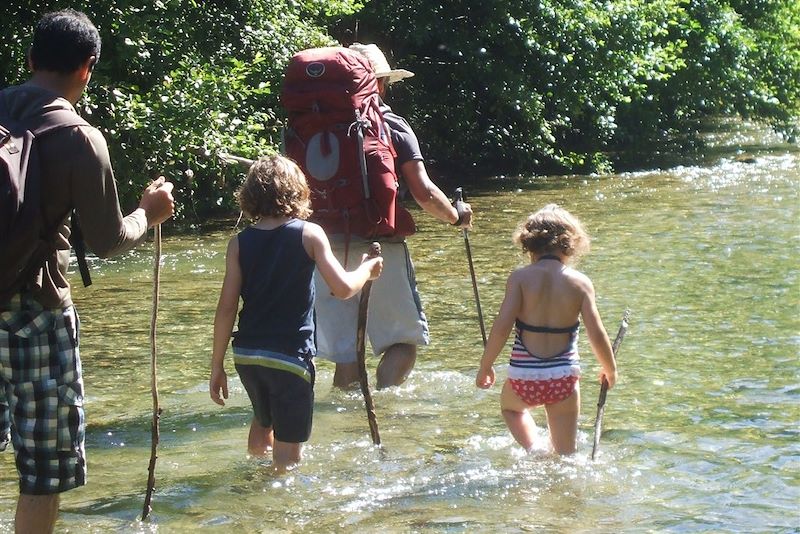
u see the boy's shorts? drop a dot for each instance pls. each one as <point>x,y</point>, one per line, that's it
<point>395,311</point>
<point>41,396</point>
<point>281,399</point>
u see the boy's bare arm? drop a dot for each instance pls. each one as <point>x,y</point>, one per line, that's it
<point>224,318</point>
<point>343,284</point>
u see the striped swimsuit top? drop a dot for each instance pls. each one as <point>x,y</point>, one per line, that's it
<point>526,366</point>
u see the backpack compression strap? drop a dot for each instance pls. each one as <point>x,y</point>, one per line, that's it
<point>361,124</point>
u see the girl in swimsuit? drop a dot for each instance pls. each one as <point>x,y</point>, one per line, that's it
<point>543,303</point>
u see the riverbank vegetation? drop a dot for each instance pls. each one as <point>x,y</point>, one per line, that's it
<point>501,87</point>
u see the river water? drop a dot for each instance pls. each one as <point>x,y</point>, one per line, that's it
<point>701,432</point>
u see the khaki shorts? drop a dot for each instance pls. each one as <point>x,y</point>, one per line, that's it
<point>395,312</point>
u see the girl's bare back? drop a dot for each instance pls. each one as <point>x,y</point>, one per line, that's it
<point>551,296</point>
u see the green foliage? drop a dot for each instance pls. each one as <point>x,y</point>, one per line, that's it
<point>502,86</point>
<point>560,85</point>
<point>179,81</point>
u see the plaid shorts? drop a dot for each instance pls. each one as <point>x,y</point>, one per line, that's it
<point>41,395</point>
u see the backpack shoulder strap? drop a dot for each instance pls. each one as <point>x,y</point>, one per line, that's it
<point>48,122</point>
<point>55,119</point>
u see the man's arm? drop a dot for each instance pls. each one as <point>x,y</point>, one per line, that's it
<point>429,197</point>
<point>95,198</point>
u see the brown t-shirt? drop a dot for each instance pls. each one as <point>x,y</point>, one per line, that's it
<point>76,174</point>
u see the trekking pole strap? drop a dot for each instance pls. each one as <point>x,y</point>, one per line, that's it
<point>76,238</point>
<point>360,125</point>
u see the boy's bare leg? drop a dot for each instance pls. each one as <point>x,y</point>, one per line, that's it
<point>562,420</point>
<point>260,439</point>
<point>36,514</point>
<point>286,455</point>
<point>517,417</point>
<point>396,364</point>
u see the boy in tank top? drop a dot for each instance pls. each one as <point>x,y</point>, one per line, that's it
<point>270,267</point>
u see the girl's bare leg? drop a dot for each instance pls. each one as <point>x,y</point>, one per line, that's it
<point>517,417</point>
<point>562,420</point>
<point>260,439</point>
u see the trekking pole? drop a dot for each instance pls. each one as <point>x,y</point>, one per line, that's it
<point>361,344</point>
<point>151,477</point>
<point>460,197</point>
<point>601,402</point>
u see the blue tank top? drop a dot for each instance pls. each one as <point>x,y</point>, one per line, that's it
<point>277,291</point>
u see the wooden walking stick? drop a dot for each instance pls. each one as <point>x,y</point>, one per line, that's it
<point>459,194</point>
<point>151,478</point>
<point>601,402</point>
<point>363,306</point>
<point>238,160</point>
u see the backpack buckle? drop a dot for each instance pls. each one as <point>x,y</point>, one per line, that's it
<point>12,148</point>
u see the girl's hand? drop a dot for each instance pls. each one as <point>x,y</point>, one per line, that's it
<point>218,384</point>
<point>610,377</point>
<point>485,378</point>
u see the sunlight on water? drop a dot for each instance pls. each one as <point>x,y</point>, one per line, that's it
<point>701,433</point>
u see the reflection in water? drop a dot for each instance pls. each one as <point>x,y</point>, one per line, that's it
<point>700,434</point>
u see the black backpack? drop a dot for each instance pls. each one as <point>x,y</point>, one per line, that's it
<point>24,242</point>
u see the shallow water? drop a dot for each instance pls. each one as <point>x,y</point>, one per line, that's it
<point>701,432</point>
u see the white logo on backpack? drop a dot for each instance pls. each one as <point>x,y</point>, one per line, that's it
<point>322,165</point>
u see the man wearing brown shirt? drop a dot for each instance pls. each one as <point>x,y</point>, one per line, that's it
<point>41,387</point>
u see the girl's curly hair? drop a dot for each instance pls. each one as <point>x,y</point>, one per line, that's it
<point>552,229</point>
<point>275,187</point>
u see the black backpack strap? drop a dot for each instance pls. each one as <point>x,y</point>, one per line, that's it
<point>76,240</point>
<point>54,119</point>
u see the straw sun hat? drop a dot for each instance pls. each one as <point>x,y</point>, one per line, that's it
<point>379,63</point>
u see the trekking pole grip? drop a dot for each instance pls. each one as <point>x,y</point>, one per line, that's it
<point>458,204</point>
<point>374,250</point>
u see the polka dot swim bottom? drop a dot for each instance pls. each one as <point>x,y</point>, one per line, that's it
<point>538,392</point>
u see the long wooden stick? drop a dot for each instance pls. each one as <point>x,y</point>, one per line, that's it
<point>460,198</point>
<point>361,344</point>
<point>601,402</point>
<point>155,434</point>
<point>238,160</point>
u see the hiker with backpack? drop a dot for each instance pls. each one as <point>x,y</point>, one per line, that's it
<point>396,323</point>
<point>52,163</point>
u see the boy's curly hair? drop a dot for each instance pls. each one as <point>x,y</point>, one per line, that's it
<point>275,187</point>
<point>552,229</point>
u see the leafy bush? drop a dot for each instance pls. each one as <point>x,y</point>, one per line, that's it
<point>561,85</point>
<point>180,81</point>
<point>502,86</point>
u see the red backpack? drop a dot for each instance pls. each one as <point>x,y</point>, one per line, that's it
<point>337,135</point>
